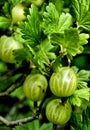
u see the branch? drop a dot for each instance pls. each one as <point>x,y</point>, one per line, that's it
<point>17,83</point>
<point>17,122</point>
<point>86,52</point>
<point>23,69</point>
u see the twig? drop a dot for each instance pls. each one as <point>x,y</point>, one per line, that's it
<point>17,83</point>
<point>87,52</point>
<point>13,128</point>
<point>18,122</point>
<point>54,127</point>
<point>24,69</point>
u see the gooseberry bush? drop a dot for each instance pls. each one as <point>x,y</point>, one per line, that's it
<point>44,65</point>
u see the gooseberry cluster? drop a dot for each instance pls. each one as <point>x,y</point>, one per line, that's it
<point>62,84</point>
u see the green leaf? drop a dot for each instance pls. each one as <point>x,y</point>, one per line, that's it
<point>31,30</point>
<point>44,54</point>
<point>83,38</point>
<point>83,93</point>
<point>18,93</point>
<point>50,20</point>
<point>45,126</point>
<point>82,120</point>
<point>75,69</point>
<point>53,22</point>
<point>58,4</point>
<point>68,41</point>
<point>76,118</point>
<point>21,54</point>
<point>71,42</point>
<point>4,23</point>
<point>82,84</point>
<point>21,127</point>
<point>79,96</point>
<point>82,13</point>
<point>65,21</point>
<point>83,77</point>
<point>35,125</point>
<point>75,100</point>
<point>85,23</point>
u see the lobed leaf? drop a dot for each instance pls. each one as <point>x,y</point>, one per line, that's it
<point>58,4</point>
<point>55,22</point>
<point>81,9</point>
<point>83,77</point>
<point>83,93</point>
<point>44,54</point>
<point>65,21</point>
<point>35,125</point>
<point>4,23</point>
<point>48,126</point>
<point>30,29</point>
<point>71,41</point>
<point>50,20</point>
<point>68,41</point>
